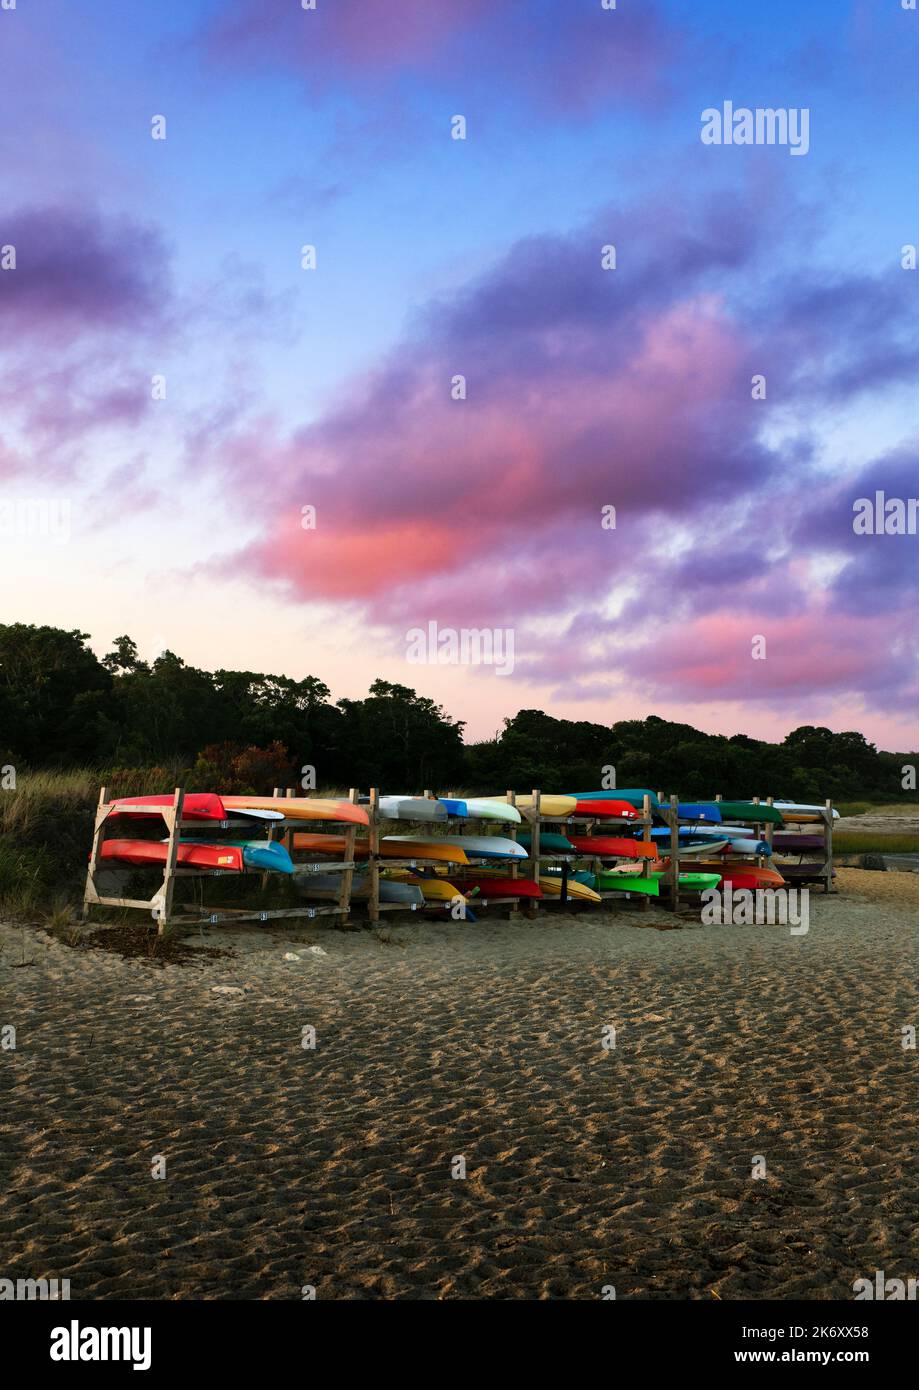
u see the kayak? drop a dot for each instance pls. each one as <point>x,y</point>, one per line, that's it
<point>610,847</point>
<point>496,887</point>
<point>745,876</point>
<point>549,842</point>
<point>579,892</point>
<point>797,844</point>
<point>328,886</point>
<point>633,795</point>
<point>196,806</point>
<point>391,847</point>
<point>412,808</point>
<point>696,839</point>
<point>801,813</point>
<point>484,808</point>
<point>757,813</point>
<point>553,807</point>
<point>613,810</point>
<point>234,858</point>
<point>301,807</point>
<point>698,810</point>
<point>484,846</point>
<point>433,890</point>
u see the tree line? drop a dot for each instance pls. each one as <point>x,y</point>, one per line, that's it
<point>60,706</point>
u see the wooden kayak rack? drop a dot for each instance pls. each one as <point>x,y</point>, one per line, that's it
<point>167,913</point>
<point>161,904</point>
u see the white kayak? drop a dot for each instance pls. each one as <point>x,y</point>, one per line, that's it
<point>802,808</point>
<point>485,808</point>
<point>484,846</point>
<point>411,808</point>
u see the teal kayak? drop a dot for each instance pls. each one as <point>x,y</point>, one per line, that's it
<point>549,842</point>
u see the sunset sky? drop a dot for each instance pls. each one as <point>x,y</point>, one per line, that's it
<point>178,520</point>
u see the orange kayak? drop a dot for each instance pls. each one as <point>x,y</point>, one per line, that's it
<point>301,807</point>
<point>434,850</point>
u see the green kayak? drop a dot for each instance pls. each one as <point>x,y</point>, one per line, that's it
<point>696,883</point>
<point>749,812</point>
<point>549,842</point>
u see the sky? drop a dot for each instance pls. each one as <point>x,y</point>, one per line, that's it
<point>292,462</point>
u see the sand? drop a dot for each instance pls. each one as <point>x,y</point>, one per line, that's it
<point>288,1167</point>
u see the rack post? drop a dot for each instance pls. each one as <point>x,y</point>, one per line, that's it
<point>373,854</point>
<point>828,846</point>
<point>173,819</point>
<point>674,817</point>
<point>94,852</point>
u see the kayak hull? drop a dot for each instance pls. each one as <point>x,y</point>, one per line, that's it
<point>302,807</point>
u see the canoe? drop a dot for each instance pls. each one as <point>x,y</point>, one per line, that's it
<point>633,795</point>
<point>496,887</point>
<point>391,847</point>
<point>797,844</point>
<point>549,842</point>
<point>757,813</point>
<point>483,846</point>
<point>414,808</point>
<point>550,806</point>
<point>328,887</point>
<point>196,806</point>
<point>301,807</point>
<point>192,854</point>
<point>577,892</point>
<point>611,847</point>
<point>613,810</point>
<point>486,808</point>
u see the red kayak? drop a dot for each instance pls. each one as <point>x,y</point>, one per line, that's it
<point>497,887</point>
<point>620,810</point>
<point>196,806</point>
<point>196,856</point>
<point>743,876</point>
<point>609,847</point>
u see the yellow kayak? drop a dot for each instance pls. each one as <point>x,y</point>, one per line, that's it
<point>435,890</point>
<point>552,888</point>
<point>556,806</point>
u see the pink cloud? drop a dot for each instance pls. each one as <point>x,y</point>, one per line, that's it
<point>570,56</point>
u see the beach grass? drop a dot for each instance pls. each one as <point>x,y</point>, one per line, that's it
<point>874,842</point>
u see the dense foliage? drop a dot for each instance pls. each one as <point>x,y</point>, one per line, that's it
<point>60,706</point>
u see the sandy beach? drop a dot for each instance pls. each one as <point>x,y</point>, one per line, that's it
<point>331,1167</point>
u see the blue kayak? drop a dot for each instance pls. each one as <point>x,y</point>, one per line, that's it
<point>699,810</point>
<point>454,807</point>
